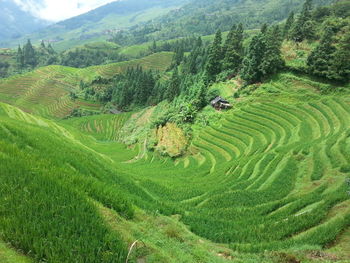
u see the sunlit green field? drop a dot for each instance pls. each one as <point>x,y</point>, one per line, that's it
<point>272,174</point>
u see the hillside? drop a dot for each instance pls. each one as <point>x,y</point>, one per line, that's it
<point>231,147</point>
<point>278,164</point>
<point>100,23</point>
<point>205,17</point>
<point>45,91</point>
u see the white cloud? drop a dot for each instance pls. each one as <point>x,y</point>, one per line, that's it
<point>56,10</point>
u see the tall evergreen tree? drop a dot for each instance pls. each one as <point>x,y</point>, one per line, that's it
<point>173,89</point>
<point>30,58</point>
<point>263,57</point>
<point>301,28</point>
<point>272,59</point>
<point>264,28</point>
<point>238,40</point>
<point>320,59</point>
<point>154,47</point>
<point>288,25</point>
<point>20,58</point>
<point>178,57</point>
<point>199,42</point>
<point>340,64</point>
<point>234,50</point>
<point>215,58</point>
<point>192,63</point>
<point>251,64</point>
<point>229,39</point>
<point>50,49</point>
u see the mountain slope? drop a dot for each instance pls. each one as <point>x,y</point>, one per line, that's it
<point>14,22</point>
<point>206,16</point>
<point>270,175</point>
<point>98,24</point>
<point>45,91</point>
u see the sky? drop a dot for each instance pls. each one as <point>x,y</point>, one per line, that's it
<point>57,10</point>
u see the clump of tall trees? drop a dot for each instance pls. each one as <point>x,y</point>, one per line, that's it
<point>29,57</point>
<point>330,25</point>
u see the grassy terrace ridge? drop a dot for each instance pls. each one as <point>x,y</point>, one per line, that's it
<point>45,91</point>
<point>270,175</point>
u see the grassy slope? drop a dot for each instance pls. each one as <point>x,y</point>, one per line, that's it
<point>45,91</point>
<point>269,175</point>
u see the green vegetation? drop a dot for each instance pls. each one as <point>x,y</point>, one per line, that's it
<point>171,179</point>
<point>258,165</point>
<point>206,17</point>
<point>46,91</point>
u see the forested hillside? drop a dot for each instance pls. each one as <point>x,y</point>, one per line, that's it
<point>205,17</point>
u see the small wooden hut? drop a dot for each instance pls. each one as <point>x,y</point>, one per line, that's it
<point>220,104</point>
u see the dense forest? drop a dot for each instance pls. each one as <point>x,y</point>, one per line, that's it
<point>205,17</point>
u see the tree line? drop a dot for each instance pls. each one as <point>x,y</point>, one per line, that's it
<point>29,57</point>
<point>186,83</point>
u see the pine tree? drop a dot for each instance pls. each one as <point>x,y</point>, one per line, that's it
<point>192,65</point>
<point>320,59</point>
<point>154,47</point>
<point>251,64</point>
<point>263,56</point>
<point>340,64</point>
<point>20,58</point>
<point>234,50</point>
<point>30,58</point>
<point>43,44</point>
<point>232,60</point>
<point>264,28</point>
<point>50,49</point>
<point>272,59</point>
<point>199,42</point>
<point>178,57</point>
<point>238,40</point>
<point>288,25</point>
<point>229,39</point>
<point>215,58</point>
<point>173,89</point>
<point>301,29</point>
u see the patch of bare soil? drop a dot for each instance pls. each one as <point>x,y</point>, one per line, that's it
<point>225,255</point>
<point>320,255</point>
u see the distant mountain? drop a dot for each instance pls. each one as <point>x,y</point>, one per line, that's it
<point>204,17</point>
<point>118,8</point>
<point>98,24</point>
<point>15,22</point>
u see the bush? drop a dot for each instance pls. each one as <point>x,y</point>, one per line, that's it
<point>345,168</point>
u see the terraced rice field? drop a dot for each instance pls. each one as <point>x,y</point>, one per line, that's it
<point>270,176</point>
<point>101,127</point>
<point>45,91</point>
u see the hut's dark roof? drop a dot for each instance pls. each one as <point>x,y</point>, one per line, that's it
<point>115,111</point>
<point>219,99</point>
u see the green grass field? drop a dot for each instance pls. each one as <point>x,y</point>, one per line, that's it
<point>268,181</point>
<point>45,91</point>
